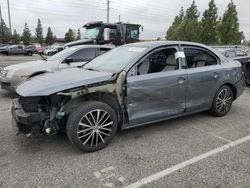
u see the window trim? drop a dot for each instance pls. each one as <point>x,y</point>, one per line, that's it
<point>151,52</point>
<point>202,49</point>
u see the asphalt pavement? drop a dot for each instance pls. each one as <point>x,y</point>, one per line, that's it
<point>193,151</point>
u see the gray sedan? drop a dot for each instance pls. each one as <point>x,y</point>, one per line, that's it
<point>132,85</point>
<point>75,56</point>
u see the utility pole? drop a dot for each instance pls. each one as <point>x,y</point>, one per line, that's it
<point>0,14</point>
<point>119,18</point>
<point>9,15</point>
<point>108,10</point>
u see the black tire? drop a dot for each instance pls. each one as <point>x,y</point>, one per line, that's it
<point>83,136</point>
<point>222,102</point>
<point>29,53</point>
<point>5,53</point>
<point>49,54</point>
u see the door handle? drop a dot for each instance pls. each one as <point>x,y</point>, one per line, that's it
<point>216,75</point>
<point>181,80</point>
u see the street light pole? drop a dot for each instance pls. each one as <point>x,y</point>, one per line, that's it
<point>9,15</point>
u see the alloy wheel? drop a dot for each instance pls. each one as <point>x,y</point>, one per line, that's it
<point>224,101</point>
<point>94,128</point>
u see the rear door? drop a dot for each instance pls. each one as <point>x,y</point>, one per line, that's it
<point>156,87</point>
<point>204,75</point>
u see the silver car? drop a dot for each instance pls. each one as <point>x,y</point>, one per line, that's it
<point>132,85</point>
<point>75,56</point>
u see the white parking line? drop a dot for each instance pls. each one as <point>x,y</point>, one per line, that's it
<point>212,134</point>
<point>181,165</point>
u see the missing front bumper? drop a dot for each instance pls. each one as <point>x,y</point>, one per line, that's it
<point>26,122</point>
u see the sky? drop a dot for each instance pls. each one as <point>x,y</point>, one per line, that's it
<point>155,15</point>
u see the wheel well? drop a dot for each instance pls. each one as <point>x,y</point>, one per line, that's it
<point>37,73</point>
<point>233,89</point>
<point>104,97</point>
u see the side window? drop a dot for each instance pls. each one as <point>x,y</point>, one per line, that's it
<point>103,50</point>
<point>83,55</point>
<point>158,61</point>
<point>240,53</point>
<point>20,47</point>
<point>230,54</point>
<point>132,32</point>
<point>198,58</point>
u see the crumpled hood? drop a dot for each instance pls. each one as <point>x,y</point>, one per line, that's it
<point>53,82</point>
<point>25,65</point>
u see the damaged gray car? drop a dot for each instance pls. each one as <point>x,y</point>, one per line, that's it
<point>132,85</point>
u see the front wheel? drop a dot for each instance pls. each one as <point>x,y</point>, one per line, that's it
<point>222,102</point>
<point>92,126</point>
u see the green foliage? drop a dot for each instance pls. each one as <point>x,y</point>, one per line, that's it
<point>210,29</point>
<point>229,28</point>
<point>69,36</point>
<point>174,31</point>
<point>15,37</point>
<point>191,28</point>
<point>26,37</point>
<point>209,23</point>
<point>39,32</point>
<point>50,39</point>
<point>5,35</point>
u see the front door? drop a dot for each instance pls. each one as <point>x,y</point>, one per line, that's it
<point>156,87</point>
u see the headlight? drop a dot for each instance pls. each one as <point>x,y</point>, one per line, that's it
<point>3,73</point>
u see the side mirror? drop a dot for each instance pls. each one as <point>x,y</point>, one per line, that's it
<point>68,60</point>
<point>106,34</point>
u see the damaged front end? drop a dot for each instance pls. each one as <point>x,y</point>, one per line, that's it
<point>38,115</point>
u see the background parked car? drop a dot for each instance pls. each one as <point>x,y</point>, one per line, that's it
<point>40,50</point>
<point>240,55</point>
<point>76,56</point>
<point>52,51</point>
<point>16,50</point>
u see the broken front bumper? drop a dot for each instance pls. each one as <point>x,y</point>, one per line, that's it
<point>26,122</point>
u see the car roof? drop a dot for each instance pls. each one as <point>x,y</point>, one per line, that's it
<point>153,44</point>
<point>93,46</point>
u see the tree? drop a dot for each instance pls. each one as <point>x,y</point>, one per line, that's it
<point>173,32</point>
<point>15,37</point>
<point>50,39</point>
<point>39,32</point>
<point>5,34</point>
<point>191,28</point>
<point>69,36</point>
<point>229,28</point>
<point>26,37</point>
<point>209,23</point>
<point>78,37</point>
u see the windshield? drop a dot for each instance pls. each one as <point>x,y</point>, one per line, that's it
<point>62,55</point>
<point>115,60</point>
<point>91,33</point>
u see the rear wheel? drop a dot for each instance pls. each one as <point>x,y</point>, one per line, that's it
<point>29,53</point>
<point>92,126</point>
<point>222,101</point>
<point>5,53</point>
